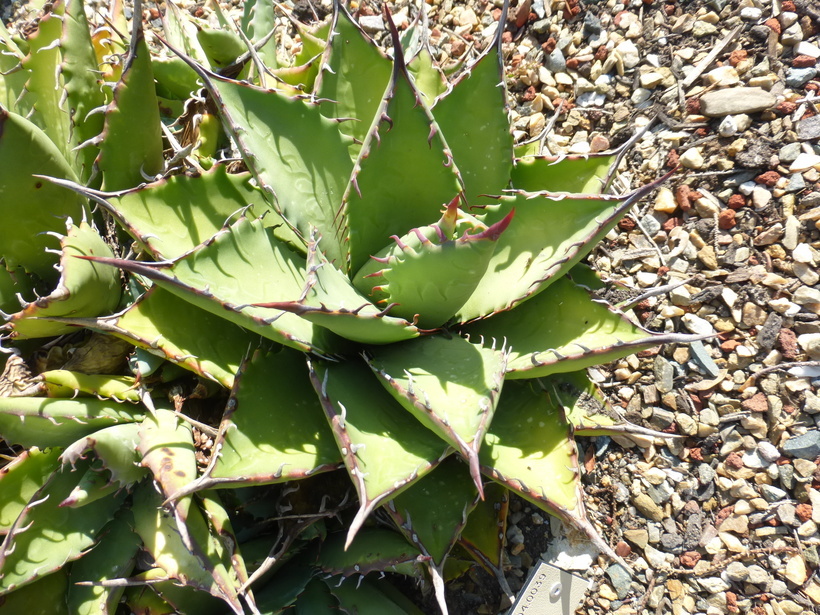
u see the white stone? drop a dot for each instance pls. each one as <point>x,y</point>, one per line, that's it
<point>723,76</point>
<point>804,162</point>
<point>692,159</point>
<point>698,325</point>
<point>805,48</point>
<point>728,127</point>
<point>803,254</point>
<point>751,13</point>
<point>760,197</point>
<point>629,53</point>
<point>810,343</point>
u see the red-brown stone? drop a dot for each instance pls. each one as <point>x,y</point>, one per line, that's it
<point>756,403</point>
<point>733,461</point>
<point>774,25</point>
<point>736,201</point>
<point>689,559</point>
<point>726,219</point>
<point>787,343</point>
<point>804,62</point>
<point>769,178</point>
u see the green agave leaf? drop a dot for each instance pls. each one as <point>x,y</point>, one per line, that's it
<point>173,598</point>
<point>528,449</point>
<point>46,596</point>
<point>483,536</point>
<point>222,529</point>
<point>240,266</point>
<point>65,383</point>
<point>354,78</point>
<point>432,513</point>
<point>173,216</point>
<point>25,150</point>
<point>427,77</point>
<point>297,156</point>
<point>384,448</point>
<point>92,486</point>
<point>479,98</point>
<point>113,557</point>
<point>83,89</point>
<point>204,343</point>
<point>331,301</point>
<point>371,598</point>
<point>44,87</point>
<point>12,79</point>
<point>45,536</point>
<point>316,600</point>
<point>86,288</point>
<point>583,404</point>
<point>426,276</point>
<point>273,430</point>
<point>564,330</point>
<point>174,79</point>
<point>546,237</point>
<point>220,47</point>
<point>34,421</point>
<point>20,480</point>
<point>382,199</point>
<point>131,143</point>
<point>450,385</point>
<point>373,550</point>
<point>309,57</point>
<point>115,449</point>
<point>207,569</point>
<point>573,174</point>
<point>143,599</point>
<point>13,283</point>
<point>259,20</point>
<point>183,32</point>
<point>587,409</point>
<point>167,448</point>
<point>286,586</point>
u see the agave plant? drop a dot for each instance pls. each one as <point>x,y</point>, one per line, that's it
<point>385,287</point>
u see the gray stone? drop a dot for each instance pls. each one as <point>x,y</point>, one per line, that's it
<point>620,578</point>
<point>772,493</point>
<point>714,585</point>
<point>706,473</point>
<point>809,128</point>
<point>737,572</point>
<point>371,23</point>
<point>796,77</point>
<point>806,446</point>
<point>692,532</point>
<point>786,475</point>
<point>672,543</point>
<point>786,514</point>
<point>556,62</point>
<point>768,451</point>
<point>702,359</point>
<point>732,101</point>
<point>768,333</point>
<point>758,575</point>
<point>779,588</point>
<point>789,153</point>
<point>796,183</point>
<point>660,493</point>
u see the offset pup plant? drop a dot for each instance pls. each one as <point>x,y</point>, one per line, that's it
<point>385,288</point>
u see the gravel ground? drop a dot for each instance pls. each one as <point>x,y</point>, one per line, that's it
<point>722,517</point>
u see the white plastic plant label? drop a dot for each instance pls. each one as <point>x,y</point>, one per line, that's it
<point>550,591</point>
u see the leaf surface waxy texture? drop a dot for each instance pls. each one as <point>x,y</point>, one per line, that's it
<point>561,330</point>
<point>384,448</point>
<point>278,431</point>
